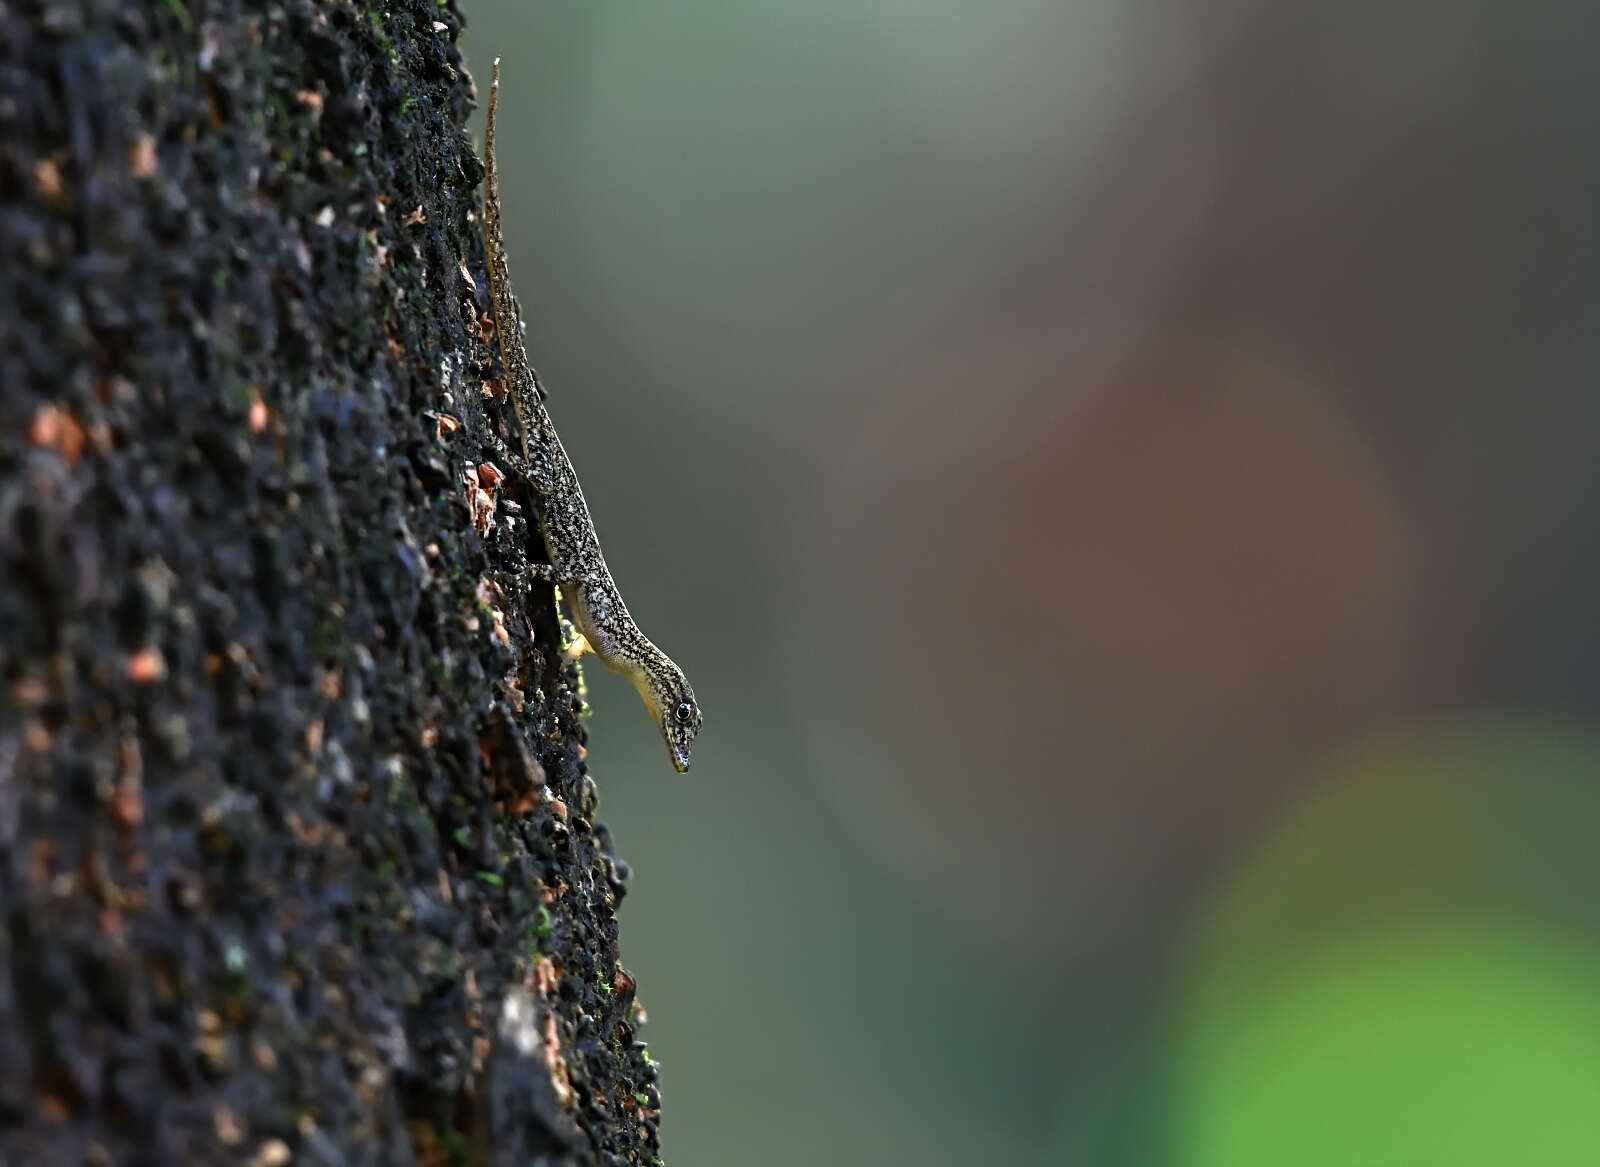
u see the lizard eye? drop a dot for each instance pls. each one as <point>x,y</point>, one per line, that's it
<point>684,713</point>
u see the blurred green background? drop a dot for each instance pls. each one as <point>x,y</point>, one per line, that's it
<point>1122,479</point>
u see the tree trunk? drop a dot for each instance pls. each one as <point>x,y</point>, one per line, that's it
<point>297,852</point>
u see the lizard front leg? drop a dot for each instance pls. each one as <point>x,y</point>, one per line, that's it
<point>549,573</point>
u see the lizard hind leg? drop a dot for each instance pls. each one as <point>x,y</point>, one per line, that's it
<point>534,471</point>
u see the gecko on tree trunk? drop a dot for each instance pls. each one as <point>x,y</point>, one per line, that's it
<point>577,564</point>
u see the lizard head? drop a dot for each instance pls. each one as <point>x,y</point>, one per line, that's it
<point>672,703</point>
<point>679,724</point>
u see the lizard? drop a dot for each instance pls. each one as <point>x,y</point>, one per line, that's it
<point>577,566</point>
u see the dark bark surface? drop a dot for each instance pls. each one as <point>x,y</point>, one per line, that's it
<point>298,860</point>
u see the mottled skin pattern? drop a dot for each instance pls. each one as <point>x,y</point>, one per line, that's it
<point>576,562</point>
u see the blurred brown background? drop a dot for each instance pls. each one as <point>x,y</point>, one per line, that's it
<point>1122,479</point>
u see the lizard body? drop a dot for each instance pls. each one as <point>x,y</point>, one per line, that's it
<point>577,564</point>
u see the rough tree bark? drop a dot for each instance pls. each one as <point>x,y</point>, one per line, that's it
<point>298,860</point>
